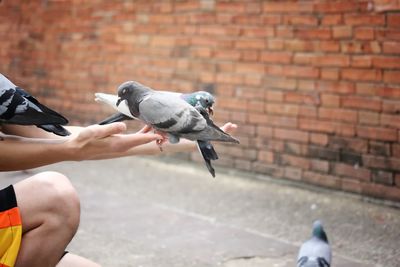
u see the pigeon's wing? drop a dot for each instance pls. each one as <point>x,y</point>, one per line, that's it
<point>111,100</point>
<point>34,102</point>
<point>15,109</point>
<point>210,133</point>
<point>315,250</point>
<point>170,114</point>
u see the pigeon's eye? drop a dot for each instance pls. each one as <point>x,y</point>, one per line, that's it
<point>206,100</point>
<point>124,91</point>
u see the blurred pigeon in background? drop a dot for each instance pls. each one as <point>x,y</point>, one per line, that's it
<point>201,100</point>
<point>316,251</point>
<point>19,107</point>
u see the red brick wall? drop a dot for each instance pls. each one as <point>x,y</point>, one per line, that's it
<point>313,85</point>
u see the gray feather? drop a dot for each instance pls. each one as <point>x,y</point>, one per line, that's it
<point>315,251</point>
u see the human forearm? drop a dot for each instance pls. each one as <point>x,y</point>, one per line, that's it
<point>18,153</point>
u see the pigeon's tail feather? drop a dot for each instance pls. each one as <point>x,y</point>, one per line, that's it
<point>207,150</point>
<point>115,118</point>
<point>214,133</point>
<point>55,128</point>
<point>208,153</point>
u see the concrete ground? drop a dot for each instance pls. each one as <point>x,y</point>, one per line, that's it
<point>153,212</point>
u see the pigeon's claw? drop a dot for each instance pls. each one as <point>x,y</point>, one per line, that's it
<point>161,141</point>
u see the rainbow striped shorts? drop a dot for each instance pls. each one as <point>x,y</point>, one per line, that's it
<point>10,227</point>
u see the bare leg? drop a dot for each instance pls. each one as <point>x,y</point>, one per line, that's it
<point>50,212</point>
<point>71,260</point>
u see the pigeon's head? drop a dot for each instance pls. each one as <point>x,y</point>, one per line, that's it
<point>131,91</point>
<point>204,99</point>
<point>318,231</point>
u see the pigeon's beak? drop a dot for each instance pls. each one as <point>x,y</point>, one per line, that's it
<point>118,101</point>
<point>210,111</point>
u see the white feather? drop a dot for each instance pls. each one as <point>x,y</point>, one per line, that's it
<point>111,100</point>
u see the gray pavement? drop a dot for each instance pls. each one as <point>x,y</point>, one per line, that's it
<point>154,212</point>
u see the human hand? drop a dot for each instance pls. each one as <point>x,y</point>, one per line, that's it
<point>106,141</point>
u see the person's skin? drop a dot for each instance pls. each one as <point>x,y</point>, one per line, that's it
<point>48,203</point>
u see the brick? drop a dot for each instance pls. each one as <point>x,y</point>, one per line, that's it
<point>351,185</point>
<point>334,19</point>
<point>266,156</point>
<point>391,106</point>
<point>227,54</point>
<point>287,7</point>
<point>319,165</point>
<point>289,134</point>
<point>329,46</point>
<point>389,92</point>
<point>364,33</point>
<point>301,72</point>
<point>379,149</point>
<point>386,62</point>
<point>275,44</point>
<point>392,121</point>
<point>296,161</point>
<point>276,57</point>
<point>330,74</point>
<point>305,20</point>
<point>332,61</point>
<point>269,169</point>
<point>250,68</point>
<point>307,111</point>
<point>257,32</point>
<point>376,133</point>
<point>348,144</point>
<point>298,45</point>
<point>397,179</point>
<point>338,114</point>
<point>313,34</point>
<point>393,19</point>
<point>250,44</point>
<point>368,118</point>
<point>286,109</point>
<point>264,131</point>
<point>301,98</point>
<point>321,179</point>
<point>292,173</point>
<point>361,61</point>
<point>295,148</point>
<point>365,20</point>
<point>330,100</point>
<point>342,32</point>
<point>319,139</point>
<point>355,172</point>
<point>274,96</point>
<point>281,121</point>
<point>362,75</point>
<point>316,125</point>
<point>284,32</point>
<point>323,153</point>
<point>391,47</point>
<point>336,87</point>
<point>383,177</point>
<point>339,6</point>
<point>362,103</point>
<point>391,77</point>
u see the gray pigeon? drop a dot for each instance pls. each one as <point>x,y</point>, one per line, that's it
<point>201,100</point>
<point>19,107</point>
<point>316,251</point>
<point>170,114</point>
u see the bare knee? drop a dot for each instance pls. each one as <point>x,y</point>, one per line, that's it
<point>63,200</point>
<point>52,195</point>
